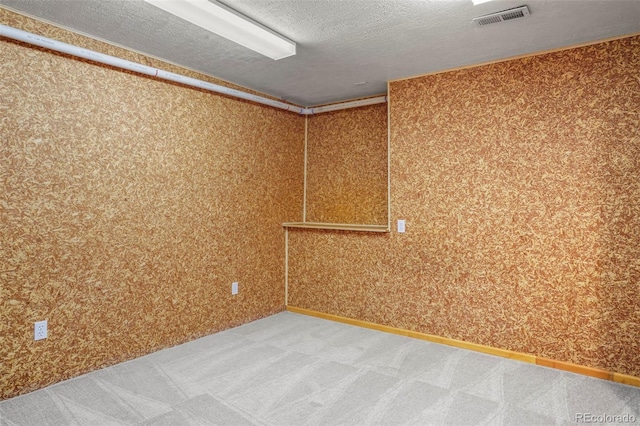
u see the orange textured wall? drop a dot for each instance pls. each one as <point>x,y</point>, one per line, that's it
<point>128,206</point>
<point>520,185</point>
<point>347,166</point>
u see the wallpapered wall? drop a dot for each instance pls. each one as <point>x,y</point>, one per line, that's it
<point>347,166</point>
<point>128,206</point>
<point>520,185</point>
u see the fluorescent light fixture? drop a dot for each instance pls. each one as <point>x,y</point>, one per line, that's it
<point>229,24</point>
<point>477,2</point>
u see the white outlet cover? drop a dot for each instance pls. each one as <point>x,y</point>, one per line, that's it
<point>40,330</point>
<point>234,288</point>
<point>401,225</point>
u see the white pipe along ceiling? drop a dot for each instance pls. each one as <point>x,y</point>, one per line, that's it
<point>47,43</point>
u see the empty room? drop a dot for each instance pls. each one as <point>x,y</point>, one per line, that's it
<point>319,212</point>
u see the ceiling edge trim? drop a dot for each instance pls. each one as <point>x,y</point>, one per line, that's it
<point>91,55</point>
<point>514,58</point>
<point>141,53</point>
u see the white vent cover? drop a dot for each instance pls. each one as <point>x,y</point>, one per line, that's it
<point>505,15</point>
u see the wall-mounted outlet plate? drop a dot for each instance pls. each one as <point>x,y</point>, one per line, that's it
<point>40,330</point>
<point>234,288</point>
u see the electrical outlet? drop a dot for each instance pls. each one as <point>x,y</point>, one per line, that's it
<point>234,288</point>
<point>40,330</point>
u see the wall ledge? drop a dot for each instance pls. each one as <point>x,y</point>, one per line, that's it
<point>337,226</point>
<point>518,356</point>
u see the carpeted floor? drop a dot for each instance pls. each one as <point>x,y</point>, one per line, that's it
<point>291,369</point>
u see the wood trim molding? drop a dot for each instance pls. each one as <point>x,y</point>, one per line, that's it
<point>518,356</point>
<point>337,226</point>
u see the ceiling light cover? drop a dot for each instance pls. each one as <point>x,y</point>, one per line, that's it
<point>229,24</point>
<point>477,2</point>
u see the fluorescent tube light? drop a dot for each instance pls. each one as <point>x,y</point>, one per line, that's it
<point>229,24</point>
<point>477,2</point>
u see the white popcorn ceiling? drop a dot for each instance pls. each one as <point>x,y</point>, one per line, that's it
<point>342,43</point>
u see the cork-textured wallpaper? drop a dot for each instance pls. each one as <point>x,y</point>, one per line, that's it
<point>520,186</point>
<point>128,206</point>
<point>347,166</point>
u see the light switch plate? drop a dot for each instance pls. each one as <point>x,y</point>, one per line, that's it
<point>234,288</point>
<point>401,225</point>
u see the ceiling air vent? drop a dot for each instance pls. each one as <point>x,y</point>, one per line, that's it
<point>505,15</point>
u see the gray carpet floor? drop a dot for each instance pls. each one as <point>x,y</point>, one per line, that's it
<point>291,369</point>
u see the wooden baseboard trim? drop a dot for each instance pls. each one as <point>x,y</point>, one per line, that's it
<point>532,359</point>
<point>626,379</point>
<point>575,368</point>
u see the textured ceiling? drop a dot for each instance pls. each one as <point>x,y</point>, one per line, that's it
<point>341,43</point>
